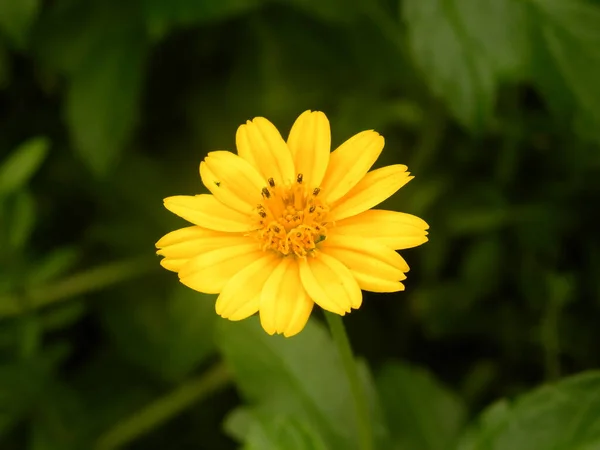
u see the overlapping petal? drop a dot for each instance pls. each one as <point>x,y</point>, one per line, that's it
<point>330,283</point>
<point>349,163</point>
<point>375,187</point>
<point>395,229</point>
<point>181,245</point>
<point>259,143</point>
<point>240,297</point>
<point>232,180</point>
<point>284,304</point>
<point>210,271</point>
<point>208,212</point>
<point>309,142</point>
<point>375,267</point>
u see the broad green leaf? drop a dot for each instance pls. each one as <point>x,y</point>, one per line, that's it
<point>300,377</point>
<point>463,47</point>
<point>260,432</point>
<point>566,63</point>
<point>16,18</point>
<point>422,414</point>
<point>562,416</point>
<point>21,165</point>
<point>101,47</point>
<point>168,335</point>
<point>102,100</point>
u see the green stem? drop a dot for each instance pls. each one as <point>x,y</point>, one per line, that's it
<point>340,337</point>
<point>164,408</point>
<point>80,283</point>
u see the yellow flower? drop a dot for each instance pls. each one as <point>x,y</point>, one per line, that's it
<point>289,225</point>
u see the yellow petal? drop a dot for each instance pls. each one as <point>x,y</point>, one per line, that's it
<point>375,266</point>
<point>302,308</point>
<point>259,143</point>
<point>374,188</point>
<point>208,212</point>
<point>349,163</point>
<point>174,265</point>
<point>284,304</point>
<point>194,247</point>
<point>240,297</point>
<point>395,229</point>
<point>186,234</point>
<point>232,180</point>
<point>273,301</point>
<point>330,284</point>
<point>210,271</point>
<point>310,143</point>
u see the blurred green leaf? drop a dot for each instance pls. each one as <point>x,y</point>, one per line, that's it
<point>168,336</point>
<point>21,384</point>
<point>562,416</point>
<point>566,63</point>
<point>22,217</point>
<point>455,68</point>
<point>328,10</point>
<point>481,266</point>
<point>5,65</point>
<point>53,265</point>
<point>260,432</point>
<point>21,165</point>
<point>16,18</point>
<point>421,413</point>
<point>102,101</point>
<point>300,377</point>
<point>161,14</point>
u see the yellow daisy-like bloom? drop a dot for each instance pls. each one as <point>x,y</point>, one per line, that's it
<point>289,225</point>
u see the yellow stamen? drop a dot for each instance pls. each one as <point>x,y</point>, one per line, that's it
<point>291,220</point>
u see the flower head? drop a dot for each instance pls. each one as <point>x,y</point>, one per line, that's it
<point>289,224</point>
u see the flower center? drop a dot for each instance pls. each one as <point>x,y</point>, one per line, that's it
<point>291,219</point>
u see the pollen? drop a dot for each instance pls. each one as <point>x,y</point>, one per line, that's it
<point>291,219</point>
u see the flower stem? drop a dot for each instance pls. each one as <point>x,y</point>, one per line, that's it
<point>340,337</point>
<point>90,280</point>
<point>164,408</point>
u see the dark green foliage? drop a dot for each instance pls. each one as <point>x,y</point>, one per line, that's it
<point>106,107</point>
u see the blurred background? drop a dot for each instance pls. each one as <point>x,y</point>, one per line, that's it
<point>107,107</point>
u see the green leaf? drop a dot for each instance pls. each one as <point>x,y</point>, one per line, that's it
<point>22,217</point>
<point>160,14</point>
<point>300,377</point>
<point>53,265</point>
<point>101,47</point>
<point>168,335</point>
<point>422,414</point>
<point>566,64</point>
<point>261,432</point>
<point>21,165</point>
<point>102,100</point>
<point>463,47</point>
<point>5,66</point>
<point>16,18</point>
<point>563,416</point>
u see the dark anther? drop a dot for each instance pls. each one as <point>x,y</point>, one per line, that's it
<point>276,229</point>
<point>299,178</point>
<point>312,209</point>
<point>271,182</point>
<point>218,183</point>
<point>316,191</point>
<point>266,192</point>
<point>262,214</point>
